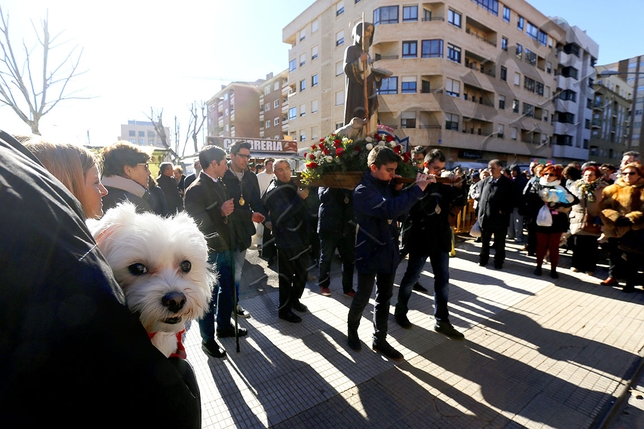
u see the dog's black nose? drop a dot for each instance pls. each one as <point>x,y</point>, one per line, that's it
<point>174,301</point>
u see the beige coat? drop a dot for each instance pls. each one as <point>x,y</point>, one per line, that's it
<point>578,212</point>
<point>618,201</point>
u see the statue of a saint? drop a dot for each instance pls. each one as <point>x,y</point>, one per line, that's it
<point>356,61</point>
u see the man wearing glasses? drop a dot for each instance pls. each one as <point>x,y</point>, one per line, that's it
<point>429,224</point>
<point>243,188</point>
<point>495,207</point>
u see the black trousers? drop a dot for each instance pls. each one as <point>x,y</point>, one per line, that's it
<point>292,266</point>
<point>384,291</point>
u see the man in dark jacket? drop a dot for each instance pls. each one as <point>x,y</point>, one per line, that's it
<point>337,230</point>
<point>519,182</point>
<point>207,201</point>
<point>495,206</point>
<point>243,188</point>
<point>289,220</point>
<point>430,236</point>
<point>69,343</point>
<point>168,185</point>
<point>378,203</point>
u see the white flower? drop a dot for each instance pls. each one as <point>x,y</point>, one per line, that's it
<point>369,146</point>
<point>368,139</point>
<point>381,143</point>
<point>317,154</point>
<point>392,144</point>
<point>329,159</point>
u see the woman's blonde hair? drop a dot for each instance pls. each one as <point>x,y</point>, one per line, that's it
<point>68,163</point>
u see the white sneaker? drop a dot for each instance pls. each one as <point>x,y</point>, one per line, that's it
<point>242,313</point>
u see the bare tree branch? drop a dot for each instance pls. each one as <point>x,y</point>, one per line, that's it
<point>157,121</point>
<point>195,123</point>
<point>28,96</point>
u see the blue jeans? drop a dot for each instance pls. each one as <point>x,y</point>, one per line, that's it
<point>346,248</point>
<point>221,305</point>
<point>440,267</point>
<point>384,290</point>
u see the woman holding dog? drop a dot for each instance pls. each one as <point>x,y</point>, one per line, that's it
<point>77,169</point>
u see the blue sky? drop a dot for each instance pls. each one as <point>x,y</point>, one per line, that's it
<point>143,53</point>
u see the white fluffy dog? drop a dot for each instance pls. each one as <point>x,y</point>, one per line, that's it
<point>162,266</point>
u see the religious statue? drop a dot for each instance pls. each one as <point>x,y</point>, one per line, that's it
<point>361,92</point>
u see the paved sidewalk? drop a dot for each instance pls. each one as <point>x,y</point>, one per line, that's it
<point>536,354</point>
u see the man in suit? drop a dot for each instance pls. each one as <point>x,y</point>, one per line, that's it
<point>207,201</point>
<point>495,207</point>
<point>169,187</point>
<point>192,176</point>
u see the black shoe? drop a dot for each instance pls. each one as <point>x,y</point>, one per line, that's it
<point>213,348</point>
<point>230,332</point>
<point>448,329</point>
<point>482,264</point>
<point>403,321</point>
<point>628,289</point>
<point>297,305</point>
<point>386,350</point>
<point>537,271</point>
<point>554,274</point>
<point>419,288</point>
<point>290,317</point>
<point>498,266</point>
<point>354,341</point>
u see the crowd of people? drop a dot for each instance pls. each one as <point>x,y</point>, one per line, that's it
<point>372,227</point>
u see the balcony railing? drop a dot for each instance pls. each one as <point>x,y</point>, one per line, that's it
<point>471,33</point>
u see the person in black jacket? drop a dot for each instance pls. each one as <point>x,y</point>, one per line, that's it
<point>289,220</point>
<point>208,202</point>
<point>336,228</point>
<point>430,236</point>
<point>495,206</point>
<point>69,343</point>
<point>168,185</point>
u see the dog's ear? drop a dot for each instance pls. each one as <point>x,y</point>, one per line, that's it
<point>123,214</point>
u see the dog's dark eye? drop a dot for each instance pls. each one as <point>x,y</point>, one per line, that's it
<point>186,266</point>
<point>137,269</point>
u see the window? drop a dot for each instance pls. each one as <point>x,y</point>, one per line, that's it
<point>132,133</point>
<point>267,107</point>
<point>314,80</point>
<point>302,85</point>
<point>504,73</point>
<point>571,48</point>
<point>453,53</point>
<point>339,38</point>
<point>302,136</point>
<point>314,53</point>
<point>314,106</point>
<point>506,14</point>
<point>410,49</point>
<point>302,110</point>
<point>425,87</point>
<point>517,78</point>
<point>276,86</point>
<point>515,106</point>
<point>548,67</point>
<point>504,43</point>
<point>531,57</point>
<point>500,130</point>
<point>502,102</point>
<point>520,23</point>
<point>408,85</point>
<point>451,121</point>
<point>315,133</point>
<point>292,65</point>
<point>528,110</point>
<point>292,113</point>
<point>546,115</point>
<point>513,133</point>
<point>566,118</point>
<point>276,122</point>
<point>302,34</point>
<point>408,120</point>
<point>569,72</point>
<point>385,15</point>
<point>302,59</point>
<point>538,88</point>
<point>339,68</point>
<point>427,15</point>
<point>267,124</point>
<point>519,50</point>
<point>432,48</point>
<point>454,18</point>
<point>568,95</point>
<point>339,8</point>
<point>141,133</point>
<point>389,85</point>
<point>453,87</point>
<point>528,83</point>
<point>339,98</point>
<point>491,5</point>
<point>276,104</point>
<point>546,92</point>
<point>410,13</point>
<point>314,26</point>
<point>532,30</point>
<point>542,37</point>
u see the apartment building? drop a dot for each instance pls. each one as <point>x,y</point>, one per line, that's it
<point>632,71</point>
<point>234,111</point>
<point>611,117</point>
<point>273,106</point>
<point>474,77</point>
<point>142,133</point>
